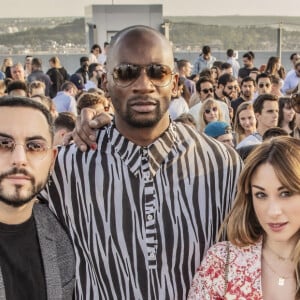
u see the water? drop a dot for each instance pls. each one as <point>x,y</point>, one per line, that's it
<point>71,61</point>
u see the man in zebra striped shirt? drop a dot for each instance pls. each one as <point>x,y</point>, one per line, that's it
<point>146,201</point>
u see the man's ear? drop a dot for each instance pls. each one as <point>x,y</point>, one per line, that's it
<point>256,116</point>
<point>174,85</point>
<point>54,152</point>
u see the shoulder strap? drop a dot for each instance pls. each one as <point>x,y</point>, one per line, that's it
<point>226,267</point>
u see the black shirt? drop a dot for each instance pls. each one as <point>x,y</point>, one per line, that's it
<point>21,262</point>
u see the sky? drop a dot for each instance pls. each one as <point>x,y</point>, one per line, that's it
<point>63,8</point>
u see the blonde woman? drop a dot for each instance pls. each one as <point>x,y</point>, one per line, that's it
<point>261,260</point>
<point>244,121</point>
<point>210,111</point>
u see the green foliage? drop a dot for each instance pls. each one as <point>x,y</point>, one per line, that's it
<point>193,35</point>
<point>73,32</point>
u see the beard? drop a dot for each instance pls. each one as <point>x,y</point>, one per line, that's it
<point>17,199</point>
<point>136,119</point>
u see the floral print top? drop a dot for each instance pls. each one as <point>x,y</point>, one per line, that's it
<point>244,274</point>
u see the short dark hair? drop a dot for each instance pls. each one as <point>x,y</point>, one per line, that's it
<point>225,78</point>
<point>206,50</point>
<point>248,55</point>
<point>248,78</point>
<point>292,55</point>
<point>230,52</point>
<point>274,131</point>
<point>27,102</point>
<point>92,68</point>
<point>262,75</point>
<point>225,66</point>
<point>218,64</point>
<point>65,120</point>
<point>83,59</point>
<point>16,85</point>
<point>36,62</point>
<point>182,63</point>
<point>202,80</point>
<point>260,100</point>
<point>95,46</point>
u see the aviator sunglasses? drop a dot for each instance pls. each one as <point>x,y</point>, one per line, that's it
<point>206,91</point>
<point>261,85</point>
<point>126,74</point>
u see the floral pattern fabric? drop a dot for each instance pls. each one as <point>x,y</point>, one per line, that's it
<point>244,274</point>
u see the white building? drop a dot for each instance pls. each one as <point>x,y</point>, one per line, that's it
<point>104,21</point>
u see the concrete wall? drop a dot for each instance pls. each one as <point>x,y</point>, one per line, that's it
<point>103,21</point>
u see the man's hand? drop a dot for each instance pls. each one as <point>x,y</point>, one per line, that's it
<point>84,134</point>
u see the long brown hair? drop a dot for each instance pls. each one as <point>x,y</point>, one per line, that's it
<point>238,129</point>
<point>242,225</point>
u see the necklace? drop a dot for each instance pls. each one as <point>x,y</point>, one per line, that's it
<point>280,257</point>
<point>281,279</point>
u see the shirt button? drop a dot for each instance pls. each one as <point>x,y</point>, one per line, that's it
<point>150,217</point>
<point>152,255</point>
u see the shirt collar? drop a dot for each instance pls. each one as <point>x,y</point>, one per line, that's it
<point>160,150</point>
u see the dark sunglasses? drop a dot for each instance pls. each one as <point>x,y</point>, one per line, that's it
<point>296,102</point>
<point>231,87</point>
<point>126,74</point>
<point>261,85</point>
<point>228,130</point>
<point>214,109</point>
<point>206,91</point>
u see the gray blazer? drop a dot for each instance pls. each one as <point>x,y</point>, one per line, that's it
<point>57,255</point>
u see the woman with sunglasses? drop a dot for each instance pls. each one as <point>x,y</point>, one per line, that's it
<point>210,111</point>
<point>261,259</point>
<point>286,117</point>
<point>244,121</point>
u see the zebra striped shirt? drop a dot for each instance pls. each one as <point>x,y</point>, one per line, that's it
<point>141,218</point>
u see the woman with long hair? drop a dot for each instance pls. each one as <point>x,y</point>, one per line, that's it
<point>210,111</point>
<point>261,259</point>
<point>244,121</point>
<point>274,67</point>
<point>286,117</point>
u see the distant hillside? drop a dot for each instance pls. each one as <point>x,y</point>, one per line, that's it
<point>69,32</point>
<point>239,32</point>
<point>236,20</point>
<point>186,33</point>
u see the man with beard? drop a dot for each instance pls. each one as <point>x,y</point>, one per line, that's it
<point>226,91</point>
<point>246,95</point>
<point>36,255</point>
<point>143,208</point>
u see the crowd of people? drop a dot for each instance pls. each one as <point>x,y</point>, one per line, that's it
<point>147,161</point>
<point>250,99</point>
